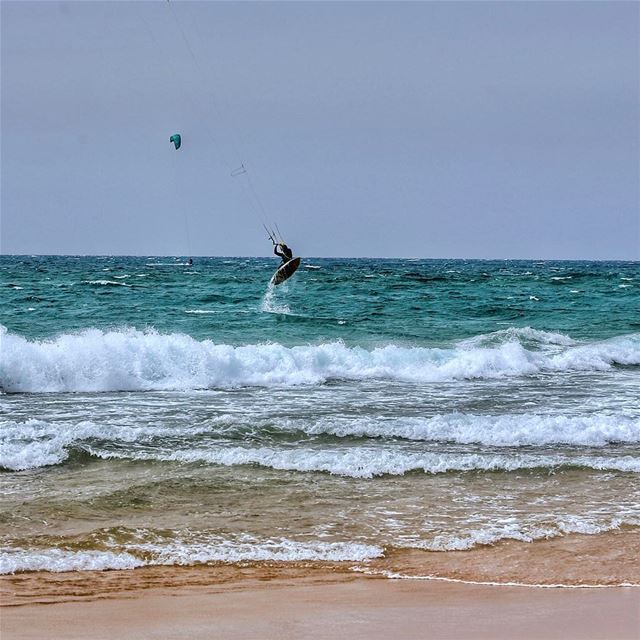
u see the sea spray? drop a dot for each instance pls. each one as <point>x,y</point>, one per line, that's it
<point>270,304</point>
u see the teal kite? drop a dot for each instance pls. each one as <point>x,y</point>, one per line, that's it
<point>176,139</point>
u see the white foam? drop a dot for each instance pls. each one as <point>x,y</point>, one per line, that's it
<point>183,552</point>
<point>368,462</point>
<point>14,560</point>
<point>128,360</point>
<point>35,443</point>
<point>512,529</point>
<point>595,430</point>
<point>106,283</point>
<point>394,575</point>
<point>250,549</point>
<point>18,456</point>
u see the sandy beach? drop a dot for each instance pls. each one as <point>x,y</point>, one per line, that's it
<point>358,607</point>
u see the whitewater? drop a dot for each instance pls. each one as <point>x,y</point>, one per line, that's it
<point>131,360</point>
<point>156,413</point>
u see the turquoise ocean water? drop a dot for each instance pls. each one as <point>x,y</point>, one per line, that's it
<point>160,413</point>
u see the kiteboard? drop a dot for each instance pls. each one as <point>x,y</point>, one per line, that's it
<point>285,271</point>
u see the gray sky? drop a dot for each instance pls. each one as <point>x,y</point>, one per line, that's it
<point>478,130</point>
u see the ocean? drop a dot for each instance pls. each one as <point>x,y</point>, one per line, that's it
<point>156,413</point>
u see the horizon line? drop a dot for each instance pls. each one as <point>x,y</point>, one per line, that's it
<point>178,256</point>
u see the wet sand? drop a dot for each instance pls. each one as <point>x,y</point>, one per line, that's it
<point>364,607</point>
<point>330,600</point>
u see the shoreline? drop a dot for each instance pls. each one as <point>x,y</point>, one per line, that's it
<point>355,600</point>
<point>604,560</point>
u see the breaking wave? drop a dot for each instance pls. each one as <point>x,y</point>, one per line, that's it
<point>514,530</point>
<point>146,547</point>
<point>16,560</point>
<point>368,462</point>
<point>180,552</point>
<point>132,360</point>
<point>37,443</point>
<point>513,430</point>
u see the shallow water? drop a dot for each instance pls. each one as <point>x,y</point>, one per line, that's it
<point>157,413</point>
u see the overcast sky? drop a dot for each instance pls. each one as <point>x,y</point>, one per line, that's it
<point>474,130</point>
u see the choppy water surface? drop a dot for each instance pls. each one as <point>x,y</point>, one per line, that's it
<point>157,413</point>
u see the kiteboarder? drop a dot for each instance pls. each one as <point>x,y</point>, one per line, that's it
<point>289,263</point>
<point>282,251</point>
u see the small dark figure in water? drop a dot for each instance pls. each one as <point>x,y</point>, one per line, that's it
<point>190,261</point>
<point>282,251</point>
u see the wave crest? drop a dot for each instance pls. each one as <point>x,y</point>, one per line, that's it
<point>132,360</point>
